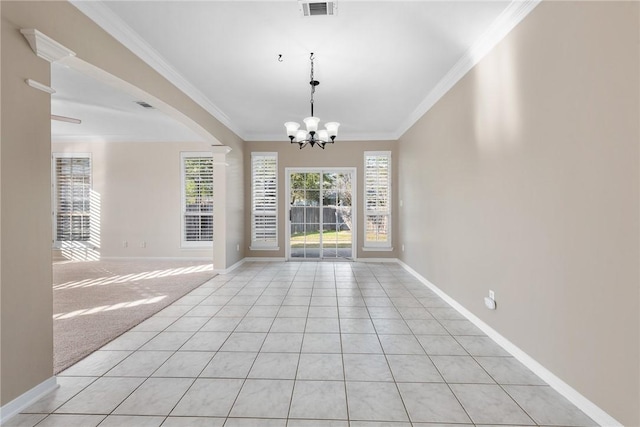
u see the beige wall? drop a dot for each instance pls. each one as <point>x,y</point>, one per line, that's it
<point>138,187</point>
<point>26,313</point>
<point>524,179</point>
<point>341,154</point>
<point>68,26</point>
<point>26,342</point>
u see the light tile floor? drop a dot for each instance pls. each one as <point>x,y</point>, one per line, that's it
<point>303,345</point>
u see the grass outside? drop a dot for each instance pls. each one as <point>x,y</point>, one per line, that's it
<point>340,239</point>
<point>329,239</point>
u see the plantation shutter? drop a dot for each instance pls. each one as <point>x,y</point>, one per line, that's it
<point>377,198</point>
<point>72,198</point>
<point>198,198</point>
<point>264,200</point>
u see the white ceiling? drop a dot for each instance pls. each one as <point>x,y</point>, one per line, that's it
<point>106,113</point>
<point>381,64</point>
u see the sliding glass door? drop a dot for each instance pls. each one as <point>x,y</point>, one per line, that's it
<point>320,213</point>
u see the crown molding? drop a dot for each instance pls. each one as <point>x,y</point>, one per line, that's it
<point>104,17</point>
<point>44,46</point>
<point>515,12</point>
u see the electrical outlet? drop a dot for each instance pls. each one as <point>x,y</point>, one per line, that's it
<point>143,244</point>
<point>238,248</point>
<point>490,301</point>
<point>403,248</point>
<point>125,244</point>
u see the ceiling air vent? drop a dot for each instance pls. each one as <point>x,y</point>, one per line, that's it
<point>144,104</point>
<point>318,8</point>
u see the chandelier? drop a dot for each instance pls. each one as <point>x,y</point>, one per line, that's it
<point>312,136</point>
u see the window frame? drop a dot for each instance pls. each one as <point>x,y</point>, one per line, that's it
<point>369,245</point>
<point>194,244</point>
<point>55,199</point>
<point>264,245</point>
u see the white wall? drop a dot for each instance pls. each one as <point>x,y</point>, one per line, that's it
<point>139,188</point>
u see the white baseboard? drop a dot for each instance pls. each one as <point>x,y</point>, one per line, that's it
<point>284,259</point>
<point>230,269</point>
<point>377,260</point>
<point>158,258</point>
<point>571,394</point>
<point>23,401</point>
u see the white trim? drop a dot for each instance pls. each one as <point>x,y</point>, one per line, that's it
<point>44,46</point>
<point>230,269</point>
<point>515,12</point>
<point>27,398</point>
<point>40,86</point>
<point>155,258</point>
<point>377,249</point>
<point>257,244</point>
<point>377,259</point>
<point>249,259</point>
<point>198,244</point>
<point>354,210</point>
<point>55,243</point>
<point>118,29</point>
<point>70,155</point>
<point>262,248</point>
<point>571,394</point>
<point>191,249</point>
<point>375,245</point>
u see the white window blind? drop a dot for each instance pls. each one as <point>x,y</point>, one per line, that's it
<point>197,196</point>
<point>377,198</point>
<point>264,200</point>
<point>72,198</point>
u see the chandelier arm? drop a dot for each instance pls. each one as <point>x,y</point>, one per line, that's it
<point>313,137</point>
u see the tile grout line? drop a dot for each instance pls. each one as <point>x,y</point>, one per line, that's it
<point>295,378</point>
<point>388,287</point>
<point>344,369</point>
<point>389,365</point>
<point>174,352</point>
<point>244,381</point>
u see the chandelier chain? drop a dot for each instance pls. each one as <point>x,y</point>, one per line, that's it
<point>312,136</point>
<point>312,83</point>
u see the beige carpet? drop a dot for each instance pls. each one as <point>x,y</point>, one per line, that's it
<point>96,301</point>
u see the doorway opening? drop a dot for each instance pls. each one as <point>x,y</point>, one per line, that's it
<point>321,220</point>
